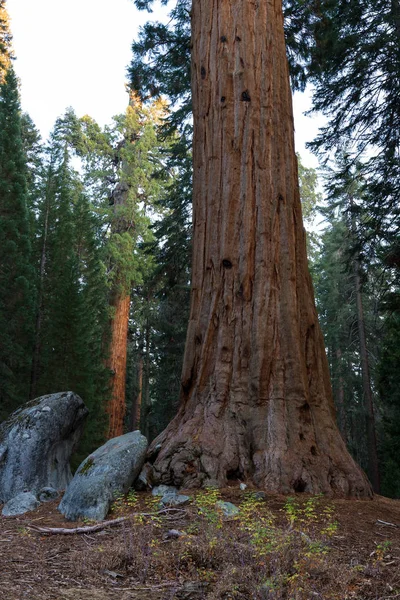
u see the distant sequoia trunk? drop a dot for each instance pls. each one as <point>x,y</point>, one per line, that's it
<point>120,304</point>
<point>256,397</point>
<point>116,407</point>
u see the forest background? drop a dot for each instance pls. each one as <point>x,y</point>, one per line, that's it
<point>95,231</point>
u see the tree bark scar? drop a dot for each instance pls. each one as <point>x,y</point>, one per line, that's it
<point>246,96</point>
<point>226,263</point>
<point>203,72</point>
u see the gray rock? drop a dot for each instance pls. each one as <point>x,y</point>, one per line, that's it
<point>107,473</point>
<point>173,534</point>
<point>193,590</point>
<point>48,494</point>
<point>36,444</point>
<point>174,500</point>
<point>20,504</point>
<point>260,495</point>
<point>163,490</point>
<point>228,509</point>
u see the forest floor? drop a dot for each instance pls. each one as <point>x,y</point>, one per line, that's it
<point>300,548</point>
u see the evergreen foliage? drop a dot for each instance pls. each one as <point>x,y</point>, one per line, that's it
<point>355,69</point>
<point>6,51</point>
<point>389,388</point>
<point>17,294</point>
<point>355,293</point>
<point>72,311</point>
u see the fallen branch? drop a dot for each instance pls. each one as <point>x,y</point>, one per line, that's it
<point>379,522</point>
<point>103,525</point>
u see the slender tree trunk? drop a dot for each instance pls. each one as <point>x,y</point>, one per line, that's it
<point>39,315</point>
<point>146,386</point>
<point>137,405</point>
<point>373,462</point>
<point>340,397</point>
<point>117,364</point>
<point>256,398</point>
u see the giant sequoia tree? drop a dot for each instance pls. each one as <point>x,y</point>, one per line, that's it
<point>256,398</point>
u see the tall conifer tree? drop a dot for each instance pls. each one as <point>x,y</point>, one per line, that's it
<point>17,292</point>
<point>255,397</point>
<point>6,51</point>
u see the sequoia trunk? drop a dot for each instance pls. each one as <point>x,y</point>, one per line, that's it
<point>256,397</point>
<point>116,407</point>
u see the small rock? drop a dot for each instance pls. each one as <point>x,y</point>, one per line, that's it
<point>163,490</point>
<point>174,500</point>
<point>47,494</point>
<point>20,504</point>
<point>174,534</point>
<point>193,590</point>
<point>260,495</point>
<point>243,486</point>
<point>112,574</point>
<point>46,409</point>
<point>229,509</point>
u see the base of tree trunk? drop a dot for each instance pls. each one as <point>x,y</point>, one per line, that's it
<point>209,448</point>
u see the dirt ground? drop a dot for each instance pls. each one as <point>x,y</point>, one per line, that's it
<point>101,565</point>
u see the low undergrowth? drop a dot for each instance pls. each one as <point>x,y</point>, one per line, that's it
<point>291,553</point>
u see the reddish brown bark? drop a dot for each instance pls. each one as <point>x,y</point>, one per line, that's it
<point>117,364</point>
<point>256,397</point>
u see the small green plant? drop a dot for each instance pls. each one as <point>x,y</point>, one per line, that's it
<point>23,530</point>
<point>292,510</point>
<point>381,550</point>
<point>308,516</point>
<point>331,525</point>
<point>131,498</point>
<point>258,522</point>
<point>205,502</point>
<point>128,500</point>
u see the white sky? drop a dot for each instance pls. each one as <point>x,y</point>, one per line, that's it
<point>75,54</point>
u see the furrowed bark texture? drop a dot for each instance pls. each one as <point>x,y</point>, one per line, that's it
<point>120,305</point>
<point>256,396</point>
<point>116,407</point>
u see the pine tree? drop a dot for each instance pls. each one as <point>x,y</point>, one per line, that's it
<point>17,293</point>
<point>72,310</point>
<point>124,173</point>
<point>6,51</point>
<point>389,388</point>
<point>343,292</point>
<point>355,69</point>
